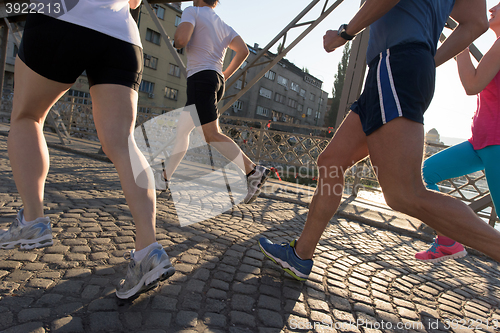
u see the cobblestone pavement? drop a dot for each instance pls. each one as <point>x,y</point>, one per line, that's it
<point>361,274</point>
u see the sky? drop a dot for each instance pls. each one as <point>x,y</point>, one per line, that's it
<point>259,21</point>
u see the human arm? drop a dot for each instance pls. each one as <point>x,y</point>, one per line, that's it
<point>134,3</point>
<point>472,23</point>
<point>473,79</point>
<point>183,34</point>
<point>371,11</point>
<point>241,49</point>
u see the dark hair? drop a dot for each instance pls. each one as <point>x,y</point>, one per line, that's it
<point>211,3</point>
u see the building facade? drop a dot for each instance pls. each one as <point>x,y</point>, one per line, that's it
<point>285,94</point>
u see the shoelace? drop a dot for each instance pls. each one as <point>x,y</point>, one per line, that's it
<point>434,246</point>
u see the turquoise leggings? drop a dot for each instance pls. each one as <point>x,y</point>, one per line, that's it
<point>462,159</point>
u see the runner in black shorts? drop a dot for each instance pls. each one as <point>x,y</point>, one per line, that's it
<point>101,38</point>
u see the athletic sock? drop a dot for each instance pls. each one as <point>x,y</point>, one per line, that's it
<point>295,252</point>
<point>24,222</point>
<point>252,172</point>
<point>139,255</point>
<point>443,240</point>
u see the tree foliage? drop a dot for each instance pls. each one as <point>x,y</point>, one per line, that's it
<point>338,86</point>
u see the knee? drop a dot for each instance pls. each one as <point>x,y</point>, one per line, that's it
<point>406,201</point>
<point>114,147</point>
<point>211,135</point>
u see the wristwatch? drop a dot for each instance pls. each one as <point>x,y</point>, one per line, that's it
<point>344,34</point>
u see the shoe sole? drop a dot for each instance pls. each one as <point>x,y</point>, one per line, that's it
<point>284,265</point>
<point>29,244</point>
<point>457,255</point>
<point>148,281</point>
<point>264,178</point>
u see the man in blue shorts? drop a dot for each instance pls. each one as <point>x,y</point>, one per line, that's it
<point>386,123</point>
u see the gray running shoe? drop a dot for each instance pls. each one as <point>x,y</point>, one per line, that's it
<point>37,233</point>
<point>145,274</point>
<point>255,182</point>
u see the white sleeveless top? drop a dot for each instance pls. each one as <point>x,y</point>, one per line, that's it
<point>110,17</point>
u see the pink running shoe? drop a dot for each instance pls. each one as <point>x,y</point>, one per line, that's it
<point>439,252</point>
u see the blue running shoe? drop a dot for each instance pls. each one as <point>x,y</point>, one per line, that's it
<point>284,255</point>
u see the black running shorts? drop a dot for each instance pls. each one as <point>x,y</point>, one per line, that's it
<point>61,51</point>
<point>205,89</point>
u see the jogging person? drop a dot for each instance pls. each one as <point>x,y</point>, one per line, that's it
<point>386,123</point>
<point>49,62</point>
<point>482,150</point>
<point>206,38</point>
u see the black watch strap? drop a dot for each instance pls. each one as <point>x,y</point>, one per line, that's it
<point>342,33</point>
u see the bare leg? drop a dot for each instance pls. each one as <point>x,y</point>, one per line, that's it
<point>347,147</point>
<point>115,110</point>
<point>396,149</point>
<point>225,145</point>
<point>184,128</point>
<point>29,157</point>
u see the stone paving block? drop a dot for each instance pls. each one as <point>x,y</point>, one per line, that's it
<point>216,293</point>
<point>201,274</point>
<point>49,299</point>
<point>105,321</point>
<point>6,319</point>
<point>33,314</point>
<point>194,285</point>
<point>8,265</point>
<point>8,287</point>
<point>77,273</point>
<point>133,320</point>
<point>214,319</point>
<point>24,256</point>
<point>164,303</point>
<point>68,286</point>
<point>40,283</point>
<point>171,289</point>
<point>186,318</point>
<point>69,308</point>
<point>67,324</point>
<point>270,318</point>
<point>33,327</point>
<point>192,301</point>
<point>242,318</point>
<point>104,271</point>
<point>270,303</point>
<point>103,305</point>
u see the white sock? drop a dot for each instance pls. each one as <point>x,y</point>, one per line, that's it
<point>24,222</point>
<point>295,252</point>
<point>139,255</point>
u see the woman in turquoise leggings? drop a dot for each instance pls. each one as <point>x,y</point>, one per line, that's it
<point>482,150</point>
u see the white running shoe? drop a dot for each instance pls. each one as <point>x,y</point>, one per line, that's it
<point>145,274</point>
<point>35,234</point>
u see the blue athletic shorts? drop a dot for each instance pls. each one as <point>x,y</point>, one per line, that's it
<point>400,83</point>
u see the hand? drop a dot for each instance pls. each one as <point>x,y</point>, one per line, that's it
<point>331,41</point>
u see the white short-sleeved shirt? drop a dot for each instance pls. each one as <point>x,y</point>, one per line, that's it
<point>110,17</point>
<point>209,42</point>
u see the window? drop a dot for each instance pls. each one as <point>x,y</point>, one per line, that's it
<point>171,93</point>
<point>292,103</point>
<point>16,50</point>
<point>318,114</point>
<point>262,111</point>
<point>244,64</point>
<point>309,111</point>
<point>150,61</point>
<point>84,97</point>
<point>302,93</point>
<point>277,115</point>
<point>147,87</point>
<point>177,21</point>
<point>294,86</point>
<point>239,84</point>
<point>238,105</point>
<point>270,75</point>
<point>143,109</point>
<point>321,101</point>
<point>300,107</point>
<point>153,36</point>
<point>283,81</point>
<point>174,70</point>
<point>279,98</point>
<point>265,92</point>
<point>312,97</point>
<point>159,10</point>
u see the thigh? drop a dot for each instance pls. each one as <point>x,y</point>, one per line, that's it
<point>396,151</point>
<point>452,162</point>
<point>491,160</point>
<point>348,145</point>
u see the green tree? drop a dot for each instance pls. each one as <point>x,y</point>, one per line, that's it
<point>338,86</point>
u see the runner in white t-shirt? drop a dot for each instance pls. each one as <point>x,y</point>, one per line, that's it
<point>206,38</point>
<point>51,58</point>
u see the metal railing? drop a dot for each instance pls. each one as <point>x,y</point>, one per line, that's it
<point>292,148</point>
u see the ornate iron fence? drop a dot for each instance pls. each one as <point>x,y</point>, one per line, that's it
<point>291,148</point>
